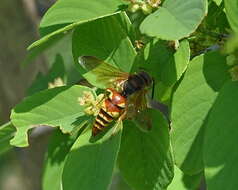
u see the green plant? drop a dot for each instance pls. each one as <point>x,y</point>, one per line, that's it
<point>190,49</point>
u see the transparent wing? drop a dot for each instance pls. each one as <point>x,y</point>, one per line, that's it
<point>102,74</point>
<point>137,110</point>
<point>139,100</point>
<point>139,106</point>
<point>143,120</point>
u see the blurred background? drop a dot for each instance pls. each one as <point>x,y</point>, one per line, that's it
<point>21,169</point>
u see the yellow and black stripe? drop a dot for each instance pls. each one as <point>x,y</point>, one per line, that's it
<point>111,109</point>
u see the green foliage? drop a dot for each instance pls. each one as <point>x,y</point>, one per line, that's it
<point>182,181</point>
<point>6,133</point>
<point>175,19</point>
<point>58,149</point>
<point>96,158</point>
<point>65,12</point>
<point>195,95</point>
<point>114,44</point>
<point>41,82</point>
<point>172,64</point>
<point>220,138</point>
<point>44,108</point>
<point>145,159</point>
<point>231,7</point>
<point>193,75</point>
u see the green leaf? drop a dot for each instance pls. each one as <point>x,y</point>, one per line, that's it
<point>145,159</point>
<point>58,148</point>
<point>6,134</point>
<point>53,107</point>
<point>171,72</point>
<point>105,39</point>
<point>221,137</point>
<point>218,2</point>
<point>164,63</point>
<point>64,49</point>
<point>41,45</point>
<point>51,39</point>
<point>69,11</point>
<point>231,7</point>
<point>175,19</point>
<point>191,103</point>
<point>182,181</point>
<point>155,53</point>
<point>90,163</point>
<point>57,71</point>
<point>212,29</point>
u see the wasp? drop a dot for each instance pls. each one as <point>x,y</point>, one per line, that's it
<point>125,94</point>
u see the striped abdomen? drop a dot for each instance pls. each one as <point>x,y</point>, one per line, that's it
<point>112,107</point>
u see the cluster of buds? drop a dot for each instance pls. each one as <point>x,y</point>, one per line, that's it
<point>146,6</point>
<point>92,105</point>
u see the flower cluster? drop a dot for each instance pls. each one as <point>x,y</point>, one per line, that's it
<point>92,105</point>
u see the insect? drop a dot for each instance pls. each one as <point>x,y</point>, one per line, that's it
<point>125,94</point>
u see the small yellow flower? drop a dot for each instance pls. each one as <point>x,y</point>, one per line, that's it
<point>92,105</point>
<point>86,99</point>
<point>57,83</point>
<point>154,3</point>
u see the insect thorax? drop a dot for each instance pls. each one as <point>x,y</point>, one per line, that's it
<point>136,82</point>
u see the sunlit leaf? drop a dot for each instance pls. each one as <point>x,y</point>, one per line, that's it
<point>173,70</point>
<point>175,19</point>
<point>145,160</point>
<point>90,163</point>
<point>99,39</point>
<point>53,107</point>
<point>36,48</point>
<point>218,2</point>
<point>182,181</point>
<point>231,7</point>
<point>69,11</point>
<point>221,137</point>
<point>163,62</point>
<point>191,103</point>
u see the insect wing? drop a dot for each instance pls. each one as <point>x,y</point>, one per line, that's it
<point>137,110</point>
<point>142,101</point>
<point>143,120</point>
<point>102,74</point>
<point>138,100</point>
<point>140,107</point>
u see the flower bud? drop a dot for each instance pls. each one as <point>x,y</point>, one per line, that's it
<point>154,3</point>
<point>134,7</point>
<point>146,8</point>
